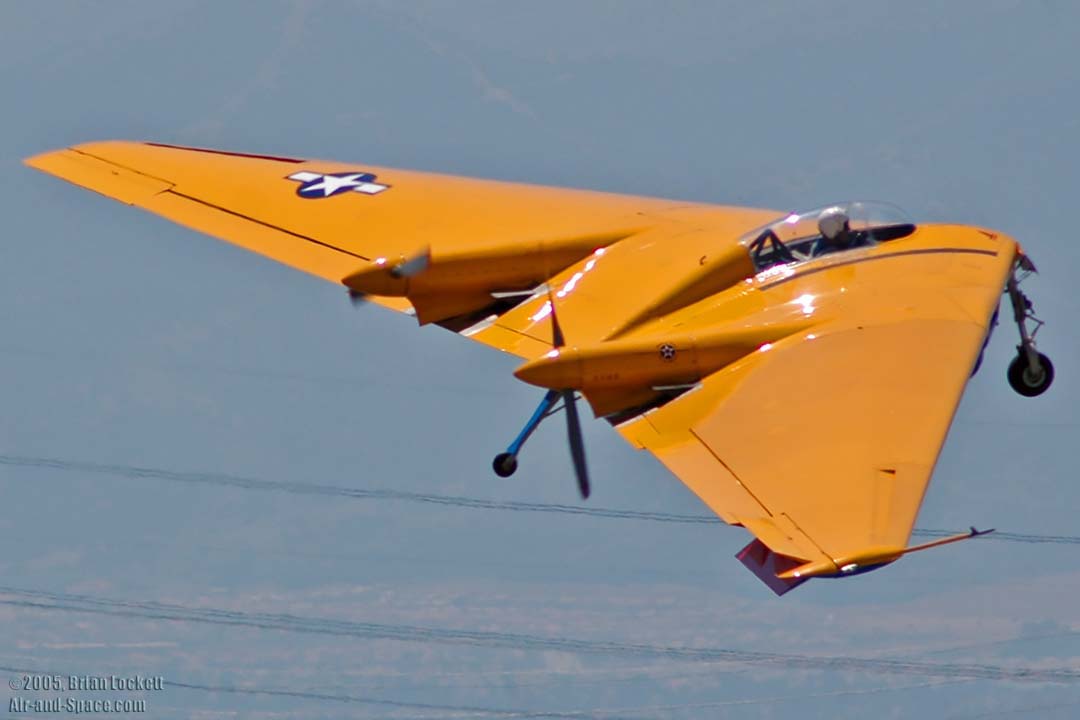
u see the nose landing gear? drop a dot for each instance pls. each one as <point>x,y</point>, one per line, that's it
<point>505,463</point>
<point>1030,372</point>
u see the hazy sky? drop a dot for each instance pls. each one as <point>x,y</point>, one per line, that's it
<point>131,343</point>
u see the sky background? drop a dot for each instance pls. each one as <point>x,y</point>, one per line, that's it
<point>127,342</point>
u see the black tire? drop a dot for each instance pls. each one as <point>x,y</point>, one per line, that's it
<point>504,464</point>
<point>1020,376</point>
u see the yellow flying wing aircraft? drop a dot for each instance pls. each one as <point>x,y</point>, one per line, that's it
<point>798,371</point>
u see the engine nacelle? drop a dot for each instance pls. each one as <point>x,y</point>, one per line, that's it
<point>649,362</point>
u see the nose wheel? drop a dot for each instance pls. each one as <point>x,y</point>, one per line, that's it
<point>504,464</point>
<point>1030,372</point>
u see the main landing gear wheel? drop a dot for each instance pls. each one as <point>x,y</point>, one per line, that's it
<point>504,464</point>
<point>1030,372</point>
<point>1026,382</point>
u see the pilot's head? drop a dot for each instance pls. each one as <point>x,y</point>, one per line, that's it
<point>835,228</point>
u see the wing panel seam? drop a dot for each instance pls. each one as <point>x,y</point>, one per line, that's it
<point>107,161</point>
<point>268,225</point>
<point>173,191</point>
<point>733,474</point>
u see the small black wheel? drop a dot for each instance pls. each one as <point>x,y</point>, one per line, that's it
<point>504,464</point>
<point>1021,379</point>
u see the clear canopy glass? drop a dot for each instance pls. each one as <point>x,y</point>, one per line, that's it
<point>797,237</point>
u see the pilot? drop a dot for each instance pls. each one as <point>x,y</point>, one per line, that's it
<point>836,234</point>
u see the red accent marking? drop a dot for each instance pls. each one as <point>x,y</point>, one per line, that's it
<point>226,152</point>
<point>767,564</point>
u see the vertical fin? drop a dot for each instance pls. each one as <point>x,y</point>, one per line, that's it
<point>767,565</point>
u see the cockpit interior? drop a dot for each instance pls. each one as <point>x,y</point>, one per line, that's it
<point>803,236</point>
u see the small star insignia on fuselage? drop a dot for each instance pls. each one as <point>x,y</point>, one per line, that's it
<point>315,186</point>
<point>667,351</point>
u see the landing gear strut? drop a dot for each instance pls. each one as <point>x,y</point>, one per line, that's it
<point>1030,372</point>
<point>505,463</point>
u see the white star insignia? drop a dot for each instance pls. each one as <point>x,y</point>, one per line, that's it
<point>317,185</point>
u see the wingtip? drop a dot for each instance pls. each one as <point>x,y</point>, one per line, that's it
<point>94,148</point>
<point>40,161</point>
<point>95,166</point>
<point>44,161</point>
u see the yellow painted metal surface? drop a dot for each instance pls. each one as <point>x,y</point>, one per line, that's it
<point>476,229</point>
<point>838,427</point>
<point>824,390</point>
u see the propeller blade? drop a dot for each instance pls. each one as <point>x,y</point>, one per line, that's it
<point>357,298</point>
<point>410,267</point>
<point>577,443</point>
<point>557,339</point>
<point>573,422</point>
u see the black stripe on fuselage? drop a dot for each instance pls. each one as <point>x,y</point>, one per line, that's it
<point>869,258</point>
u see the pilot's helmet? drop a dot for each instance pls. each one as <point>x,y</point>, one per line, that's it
<point>832,222</point>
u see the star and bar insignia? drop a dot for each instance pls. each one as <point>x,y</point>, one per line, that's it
<point>315,186</point>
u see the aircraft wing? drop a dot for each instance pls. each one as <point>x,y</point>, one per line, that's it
<point>822,445</point>
<point>333,219</point>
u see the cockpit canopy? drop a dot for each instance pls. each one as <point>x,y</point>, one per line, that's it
<point>797,237</point>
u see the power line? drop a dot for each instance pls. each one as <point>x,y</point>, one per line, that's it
<point>233,481</point>
<point>606,713</point>
<point>69,602</point>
